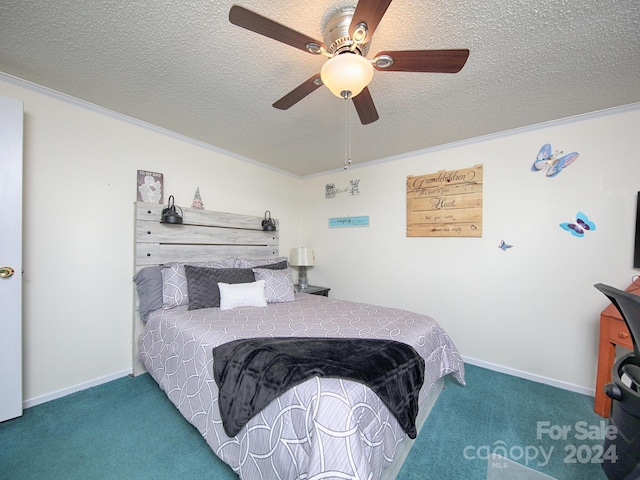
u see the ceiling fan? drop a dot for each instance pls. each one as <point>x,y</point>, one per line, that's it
<point>347,73</point>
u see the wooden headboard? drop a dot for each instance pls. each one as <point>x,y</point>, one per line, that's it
<point>203,235</point>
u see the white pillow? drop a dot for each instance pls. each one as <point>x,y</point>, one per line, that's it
<point>233,295</point>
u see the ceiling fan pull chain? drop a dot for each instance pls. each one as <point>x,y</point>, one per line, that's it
<point>347,134</point>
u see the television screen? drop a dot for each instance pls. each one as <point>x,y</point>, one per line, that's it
<point>636,256</point>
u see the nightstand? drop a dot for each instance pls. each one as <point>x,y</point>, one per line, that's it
<point>313,290</point>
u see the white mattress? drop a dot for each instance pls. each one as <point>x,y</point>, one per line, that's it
<point>325,427</point>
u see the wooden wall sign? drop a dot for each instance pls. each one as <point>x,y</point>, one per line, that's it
<point>445,204</point>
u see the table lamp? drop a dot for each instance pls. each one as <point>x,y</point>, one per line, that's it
<point>302,258</point>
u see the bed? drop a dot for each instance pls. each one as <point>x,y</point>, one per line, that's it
<point>324,427</point>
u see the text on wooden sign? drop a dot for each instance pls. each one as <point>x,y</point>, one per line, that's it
<point>445,204</point>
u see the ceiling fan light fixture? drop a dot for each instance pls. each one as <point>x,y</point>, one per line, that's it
<point>347,72</point>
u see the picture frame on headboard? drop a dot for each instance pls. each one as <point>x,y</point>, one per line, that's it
<point>150,187</point>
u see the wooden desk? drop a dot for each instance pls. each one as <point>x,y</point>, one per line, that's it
<point>613,331</point>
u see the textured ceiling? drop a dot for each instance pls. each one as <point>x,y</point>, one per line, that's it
<point>182,66</point>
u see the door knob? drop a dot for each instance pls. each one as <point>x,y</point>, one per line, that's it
<point>6,272</point>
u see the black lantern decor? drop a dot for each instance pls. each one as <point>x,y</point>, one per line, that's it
<point>268,224</point>
<point>170,214</point>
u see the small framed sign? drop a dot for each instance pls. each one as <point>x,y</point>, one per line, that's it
<point>345,222</point>
<point>150,187</point>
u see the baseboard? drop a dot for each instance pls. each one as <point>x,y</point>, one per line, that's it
<point>32,402</point>
<point>530,376</point>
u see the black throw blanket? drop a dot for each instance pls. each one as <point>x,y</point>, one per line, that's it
<point>251,373</point>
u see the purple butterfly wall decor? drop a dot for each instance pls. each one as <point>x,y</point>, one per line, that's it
<point>553,163</point>
<point>580,227</point>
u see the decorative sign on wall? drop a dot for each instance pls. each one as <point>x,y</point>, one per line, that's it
<point>344,222</point>
<point>353,188</point>
<point>445,204</point>
<point>150,187</point>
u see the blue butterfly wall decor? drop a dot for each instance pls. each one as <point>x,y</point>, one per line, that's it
<point>553,163</point>
<point>504,246</point>
<point>581,225</point>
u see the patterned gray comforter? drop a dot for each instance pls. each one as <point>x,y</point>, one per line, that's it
<point>324,427</point>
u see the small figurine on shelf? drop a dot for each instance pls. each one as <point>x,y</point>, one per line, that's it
<point>197,201</point>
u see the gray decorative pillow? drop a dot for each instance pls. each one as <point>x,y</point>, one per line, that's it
<point>175,291</point>
<point>149,286</point>
<point>278,284</point>
<point>276,266</point>
<point>203,283</point>
<point>276,263</point>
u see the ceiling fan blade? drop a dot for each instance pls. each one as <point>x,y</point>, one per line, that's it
<point>298,93</point>
<point>257,23</point>
<point>436,61</point>
<point>369,12</point>
<point>365,107</point>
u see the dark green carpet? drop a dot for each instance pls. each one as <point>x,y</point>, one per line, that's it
<point>494,412</point>
<point>128,429</point>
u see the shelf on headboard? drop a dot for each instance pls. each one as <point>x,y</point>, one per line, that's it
<point>203,235</point>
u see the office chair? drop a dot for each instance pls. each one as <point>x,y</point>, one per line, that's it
<point>624,391</point>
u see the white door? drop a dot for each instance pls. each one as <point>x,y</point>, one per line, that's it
<point>11,125</point>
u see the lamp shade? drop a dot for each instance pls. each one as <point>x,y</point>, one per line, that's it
<point>301,257</point>
<point>347,72</point>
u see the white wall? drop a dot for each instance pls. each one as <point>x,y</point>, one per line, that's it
<point>79,189</point>
<point>531,309</point>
